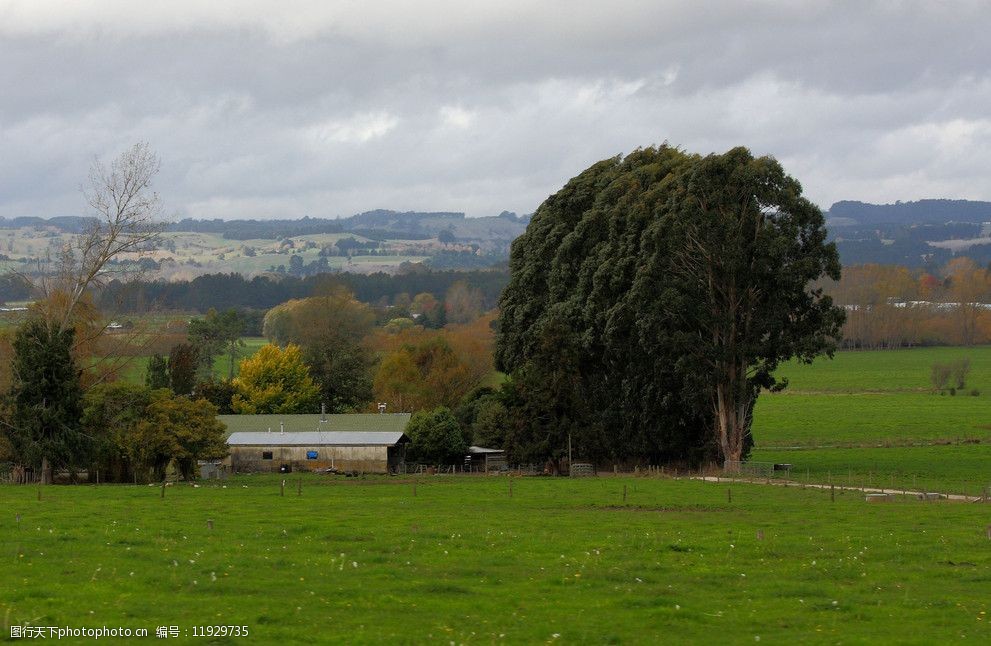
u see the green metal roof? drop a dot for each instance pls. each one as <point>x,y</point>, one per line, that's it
<point>393,422</point>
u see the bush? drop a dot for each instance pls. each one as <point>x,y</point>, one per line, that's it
<point>975,393</point>
<point>940,375</point>
<point>960,369</point>
<point>436,438</point>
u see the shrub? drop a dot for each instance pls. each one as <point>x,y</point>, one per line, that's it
<point>436,437</point>
<point>959,370</point>
<point>940,375</point>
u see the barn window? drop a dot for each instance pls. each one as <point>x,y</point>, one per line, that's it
<point>266,455</point>
<point>311,455</point>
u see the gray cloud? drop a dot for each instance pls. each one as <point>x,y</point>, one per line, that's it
<point>283,109</point>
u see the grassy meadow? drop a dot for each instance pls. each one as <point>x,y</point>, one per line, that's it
<point>459,560</point>
<point>872,417</point>
<point>638,560</point>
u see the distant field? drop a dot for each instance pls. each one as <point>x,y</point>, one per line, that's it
<point>195,253</point>
<point>854,414</point>
<point>874,418</point>
<point>885,370</point>
<point>137,368</point>
<point>460,561</point>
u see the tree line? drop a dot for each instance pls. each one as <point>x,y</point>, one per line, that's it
<point>226,291</point>
<point>894,307</point>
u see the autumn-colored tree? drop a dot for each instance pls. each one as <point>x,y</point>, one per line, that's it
<point>273,381</point>
<point>423,375</point>
<point>970,286</point>
<point>473,344</point>
<point>306,321</point>
<point>329,328</point>
<point>462,304</point>
<point>891,306</point>
<point>427,310</point>
<point>399,384</point>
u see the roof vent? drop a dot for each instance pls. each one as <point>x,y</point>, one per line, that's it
<point>323,412</point>
<point>282,427</point>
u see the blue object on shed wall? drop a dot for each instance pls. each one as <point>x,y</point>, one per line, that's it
<point>311,455</point>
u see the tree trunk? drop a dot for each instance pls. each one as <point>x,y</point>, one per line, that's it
<point>46,471</point>
<point>732,408</point>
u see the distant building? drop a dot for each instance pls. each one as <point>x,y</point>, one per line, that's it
<point>371,443</point>
<point>485,460</point>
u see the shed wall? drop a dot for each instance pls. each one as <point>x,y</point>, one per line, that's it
<point>370,459</point>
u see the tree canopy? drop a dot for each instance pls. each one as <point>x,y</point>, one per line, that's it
<point>436,437</point>
<point>273,381</point>
<point>678,283</point>
<point>329,328</point>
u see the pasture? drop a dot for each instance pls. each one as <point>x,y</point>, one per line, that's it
<point>873,416</point>
<point>459,560</point>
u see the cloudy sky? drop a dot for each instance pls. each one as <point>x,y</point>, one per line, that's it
<point>284,109</point>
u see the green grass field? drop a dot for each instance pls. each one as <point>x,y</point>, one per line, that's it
<point>872,415</point>
<point>367,561</point>
<point>885,370</point>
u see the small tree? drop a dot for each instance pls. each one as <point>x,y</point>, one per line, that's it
<point>940,376</point>
<point>960,369</point>
<point>218,333</point>
<point>436,437</point>
<point>177,429</point>
<point>218,393</point>
<point>157,373</point>
<point>490,424</point>
<point>110,416</point>
<point>183,362</point>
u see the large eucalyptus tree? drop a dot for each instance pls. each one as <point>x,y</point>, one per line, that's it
<point>686,281</point>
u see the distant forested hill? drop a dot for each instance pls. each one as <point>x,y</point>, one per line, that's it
<point>923,211</point>
<point>927,233</point>
<point>378,224</point>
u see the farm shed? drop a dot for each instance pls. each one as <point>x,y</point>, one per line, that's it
<point>485,460</point>
<point>370,443</point>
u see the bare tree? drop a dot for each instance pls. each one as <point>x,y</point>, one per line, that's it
<point>127,218</point>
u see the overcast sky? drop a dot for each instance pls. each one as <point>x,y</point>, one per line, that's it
<point>284,109</point>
